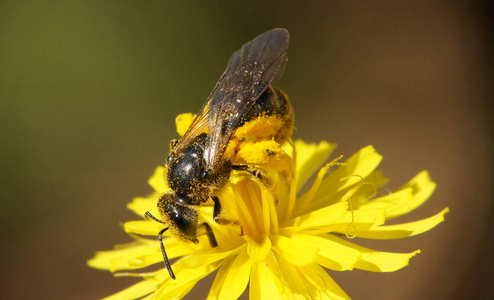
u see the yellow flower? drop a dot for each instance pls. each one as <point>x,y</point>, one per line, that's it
<point>282,241</point>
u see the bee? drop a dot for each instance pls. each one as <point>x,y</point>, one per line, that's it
<point>197,168</point>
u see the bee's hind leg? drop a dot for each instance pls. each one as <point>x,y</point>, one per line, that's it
<point>257,173</point>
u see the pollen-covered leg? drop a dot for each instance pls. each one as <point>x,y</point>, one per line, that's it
<point>265,155</point>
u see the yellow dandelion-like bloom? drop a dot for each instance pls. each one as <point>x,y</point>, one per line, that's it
<point>282,238</point>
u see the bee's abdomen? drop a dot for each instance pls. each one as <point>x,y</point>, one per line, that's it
<point>273,102</point>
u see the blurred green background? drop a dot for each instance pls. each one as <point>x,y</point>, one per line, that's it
<point>89,91</point>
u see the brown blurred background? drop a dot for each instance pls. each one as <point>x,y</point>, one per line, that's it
<point>89,92</point>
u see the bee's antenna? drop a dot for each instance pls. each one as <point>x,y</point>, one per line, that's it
<point>160,237</point>
<point>167,262</point>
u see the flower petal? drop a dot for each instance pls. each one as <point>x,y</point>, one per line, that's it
<point>358,166</point>
<point>376,261</point>
<point>144,228</point>
<point>136,291</point>
<point>371,184</point>
<point>183,122</point>
<point>389,202</point>
<point>263,283</point>
<point>186,279</point>
<point>258,251</point>
<point>405,199</point>
<point>358,221</point>
<point>321,217</point>
<point>309,158</point>
<point>330,253</point>
<point>328,288</point>
<point>209,256</point>
<point>140,254</point>
<point>293,251</point>
<point>219,279</point>
<point>140,205</point>
<point>422,186</point>
<point>236,277</point>
<point>175,292</point>
<point>384,261</point>
<point>118,259</point>
<point>157,180</point>
<point>404,230</point>
<point>296,285</point>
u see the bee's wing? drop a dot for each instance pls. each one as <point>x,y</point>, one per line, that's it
<point>249,72</point>
<point>199,125</point>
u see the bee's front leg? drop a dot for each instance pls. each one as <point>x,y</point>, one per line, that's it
<point>210,234</point>
<point>217,213</point>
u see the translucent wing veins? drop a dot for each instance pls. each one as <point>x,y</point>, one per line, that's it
<point>250,71</point>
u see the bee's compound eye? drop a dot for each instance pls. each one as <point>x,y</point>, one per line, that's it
<point>203,174</point>
<point>179,213</point>
<point>185,218</point>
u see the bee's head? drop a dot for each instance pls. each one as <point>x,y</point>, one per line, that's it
<point>181,217</point>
